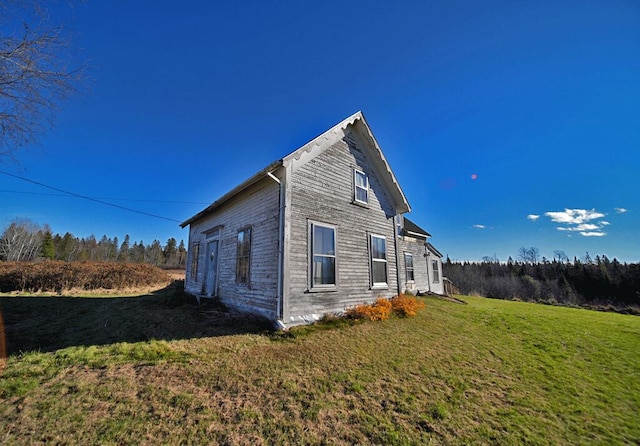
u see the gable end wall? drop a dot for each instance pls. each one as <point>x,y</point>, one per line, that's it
<point>322,191</point>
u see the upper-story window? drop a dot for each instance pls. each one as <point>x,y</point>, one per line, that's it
<point>361,187</point>
<point>408,266</point>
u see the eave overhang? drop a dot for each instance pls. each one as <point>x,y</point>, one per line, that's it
<point>433,249</point>
<point>233,192</point>
<point>412,229</point>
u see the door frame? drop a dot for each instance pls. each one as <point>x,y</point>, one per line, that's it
<point>212,263</point>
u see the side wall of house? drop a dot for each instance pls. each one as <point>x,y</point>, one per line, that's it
<point>437,282</point>
<point>415,247</point>
<point>322,191</point>
<point>256,208</point>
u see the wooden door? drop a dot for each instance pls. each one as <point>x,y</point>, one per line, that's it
<point>211,280</point>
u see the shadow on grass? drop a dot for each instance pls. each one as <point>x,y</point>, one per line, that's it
<point>50,323</point>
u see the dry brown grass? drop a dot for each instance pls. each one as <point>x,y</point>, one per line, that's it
<point>58,276</point>
<point>176,274</point>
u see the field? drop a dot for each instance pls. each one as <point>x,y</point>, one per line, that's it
<point>157,368</point>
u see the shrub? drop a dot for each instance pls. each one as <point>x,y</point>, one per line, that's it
<point>406,306</point>
<point>58,276</point>
<point>381,309</point>
<point>378,311</point>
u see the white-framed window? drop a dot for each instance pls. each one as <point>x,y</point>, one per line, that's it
<point>408,266</point>
<point>243,256</point>
<point>378,254</point>
<point>360,187</point>
<point>323,261</point>
<point>436,271</point>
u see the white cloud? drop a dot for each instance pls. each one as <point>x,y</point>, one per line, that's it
<point>533,217</point>
<point>574,216</point>
<point>586,227</point>
<point>479,226</point>
<point>580,228</point>
<point>580,220</point>
<point>620,210</point>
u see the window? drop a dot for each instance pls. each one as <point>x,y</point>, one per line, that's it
<point>323,256</point>
<point>408,266</point>
<point>195,253</point>
<point>378,250</point>
<point>243,258</point>
<point>212,233</point>
<point>436,272</point>
<point>361,187</point>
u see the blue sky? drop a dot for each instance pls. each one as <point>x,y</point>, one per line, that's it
<point>508,123</point>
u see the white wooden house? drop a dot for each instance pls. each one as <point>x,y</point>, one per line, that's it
<point>421,262</point>
<point>315,232</point>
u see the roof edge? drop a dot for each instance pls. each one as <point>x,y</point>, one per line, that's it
<point>433,249</point>
<point>398,197</point>
<point>389,179</point>
<point>402,203</point>
<point>308,146</point>
<point>413,228</point>
<point>236,190</point>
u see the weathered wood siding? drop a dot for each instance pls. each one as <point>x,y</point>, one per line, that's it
<point>423,267</point>
<point>322,190</point>
<point>414,246</point>
<point>258,208</point>
<point>436,286</point>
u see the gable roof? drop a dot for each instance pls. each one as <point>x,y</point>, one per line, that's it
<point>433,249</point>
<point>358,124</point>
<point>410,228</point>
<point>308,151</point>
<point>233,192</point>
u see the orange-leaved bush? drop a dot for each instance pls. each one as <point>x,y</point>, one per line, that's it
<point>378,311</point>
<point>406,306</point>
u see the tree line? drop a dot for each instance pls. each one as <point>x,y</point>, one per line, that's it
<point>24,241</point>
<point>589,282</point>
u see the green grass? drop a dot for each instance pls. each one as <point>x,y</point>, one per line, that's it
<point>490,372</point>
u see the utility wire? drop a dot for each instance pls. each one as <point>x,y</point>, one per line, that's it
<point>103,198</point>
<point>73,194</point>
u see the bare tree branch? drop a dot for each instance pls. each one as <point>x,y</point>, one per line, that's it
<point>21,241</point>
<point>34,75</point>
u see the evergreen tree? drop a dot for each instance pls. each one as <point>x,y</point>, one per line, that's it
<point>113,251</point>
<point>170,252</point>
<point>48,248</point>
<point>104,246</point>
<point>138,252</point>
<point>182,254</point>
<point>68,247</point>
<point>123,255</point>
<point>154,254</point>
<point>90,248</point>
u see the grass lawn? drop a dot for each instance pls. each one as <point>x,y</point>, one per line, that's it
<point>156,369</point>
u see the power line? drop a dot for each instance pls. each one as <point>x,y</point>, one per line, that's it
<point>87,198</point>
<point>104,198</point>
